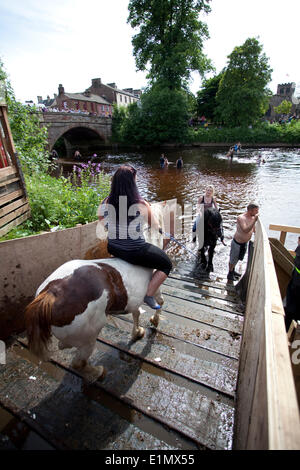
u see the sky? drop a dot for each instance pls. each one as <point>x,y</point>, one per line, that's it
<point>45,43</point>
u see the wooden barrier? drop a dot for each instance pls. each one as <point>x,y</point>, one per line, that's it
<point>14,207</point>
<point>26,262</point>
<point>284,229</point>
<point>267,414</point>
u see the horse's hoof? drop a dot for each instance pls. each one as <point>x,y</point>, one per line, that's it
<point>93,373</point>
<point>139,334</point>
<point>154,320</point>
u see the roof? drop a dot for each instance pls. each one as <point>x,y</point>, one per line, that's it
<point>121,91</point>
<point>83,97</point>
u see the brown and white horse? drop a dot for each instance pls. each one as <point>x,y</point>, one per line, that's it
<point>74,303</point>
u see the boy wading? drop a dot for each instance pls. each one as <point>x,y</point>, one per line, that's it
<point>244,228</point>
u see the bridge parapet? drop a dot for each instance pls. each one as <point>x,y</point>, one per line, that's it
<point>54,117</point>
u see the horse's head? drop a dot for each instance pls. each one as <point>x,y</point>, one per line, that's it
<point>152,235</point>
<point>213,222</point>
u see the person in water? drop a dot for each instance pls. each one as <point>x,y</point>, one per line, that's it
<point>179,163</point>
<point>230,153</point>
<point>128,244</point>
<point>237,147</point>
<point>245,228</point>
<point>162,160</point>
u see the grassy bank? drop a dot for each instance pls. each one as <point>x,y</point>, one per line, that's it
<point>264,133</point>
<point>59,203</point>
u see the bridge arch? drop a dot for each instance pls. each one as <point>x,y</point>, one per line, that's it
<point>72,131</point>
<point>85,138</point>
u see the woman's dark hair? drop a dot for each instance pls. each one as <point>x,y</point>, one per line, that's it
<point>123,184</point>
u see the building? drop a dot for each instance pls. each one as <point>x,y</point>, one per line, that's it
<point>97,99</point>
<point>285,91</point>
<point>113,94</point>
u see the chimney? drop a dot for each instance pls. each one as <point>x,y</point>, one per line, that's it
<point>96,82</point>
<point>40,99</point>
<point>61,90</point>
<point>113,85</point>
<point>55,95</point>
<point>87,93</point>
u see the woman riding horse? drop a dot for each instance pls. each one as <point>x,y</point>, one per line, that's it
<point>123,212</point>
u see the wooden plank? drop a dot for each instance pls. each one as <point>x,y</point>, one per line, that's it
<point>206,303</point>
<point>11,196</point>
<point>14,223</point>
<point>11,207</point>
<point>9,181</point>
<point>10,170</point>
<point>14,214</point>
<point>204,290</point>
<point>284,228</point>
<point>267,415</point>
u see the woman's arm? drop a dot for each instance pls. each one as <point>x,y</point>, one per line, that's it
<point>148,215</point>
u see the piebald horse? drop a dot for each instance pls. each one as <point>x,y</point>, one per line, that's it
<point>75,301</point>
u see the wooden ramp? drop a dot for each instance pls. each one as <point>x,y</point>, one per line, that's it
<point>174,389</point>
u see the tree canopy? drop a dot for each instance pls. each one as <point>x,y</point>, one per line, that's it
<point>243,95</point>
<point>170,39</point>
<point>30,140</point>
<point>206,97</point>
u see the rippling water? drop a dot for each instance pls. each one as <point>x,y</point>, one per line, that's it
<point>273,185</point>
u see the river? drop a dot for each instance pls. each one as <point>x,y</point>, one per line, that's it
<point>273,185</point>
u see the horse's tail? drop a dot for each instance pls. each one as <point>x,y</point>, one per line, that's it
<point>38,315</point>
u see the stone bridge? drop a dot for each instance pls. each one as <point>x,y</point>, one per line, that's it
<point>76,131</point>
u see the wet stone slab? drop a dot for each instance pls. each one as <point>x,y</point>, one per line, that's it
<point>198,364</point>
<point>205,418</point>
<point>66,413</point>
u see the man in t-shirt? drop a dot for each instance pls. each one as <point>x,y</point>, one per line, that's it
<point>244,229</point>
<point>162,160</point>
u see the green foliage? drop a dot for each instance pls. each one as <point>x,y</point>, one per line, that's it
<point>30,140</point>
<point>54,202</point>
<point>162,116</point>
<point>170,39</point>
<point>284,107</point>
<point>63,202</point>
<point>206,97</point>
<point>243,95</point>
<point>262,133</point>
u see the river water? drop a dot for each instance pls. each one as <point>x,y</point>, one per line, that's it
<point>273,185</point>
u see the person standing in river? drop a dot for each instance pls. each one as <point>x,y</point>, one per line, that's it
<point>245,228</point>
<point>179,163</point>
<point>162,160</point>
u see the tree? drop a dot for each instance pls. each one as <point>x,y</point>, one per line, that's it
<point>206,97</point>
<point>170,39</point>
<point>243,95</point>
<point>162,116</point>
<point>30,140</point>
<point>284,107</point>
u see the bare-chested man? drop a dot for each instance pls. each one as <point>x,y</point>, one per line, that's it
<point>245,228</point>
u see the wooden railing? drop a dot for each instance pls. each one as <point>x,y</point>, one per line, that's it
<point>267,414</point>
<point>284,229</point>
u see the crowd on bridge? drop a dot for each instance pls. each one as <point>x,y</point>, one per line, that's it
<point>73,111</point>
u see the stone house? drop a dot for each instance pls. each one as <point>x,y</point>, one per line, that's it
<point>113,94</point>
